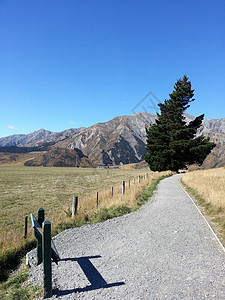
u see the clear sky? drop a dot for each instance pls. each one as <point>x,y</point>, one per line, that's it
<point>72,63</point>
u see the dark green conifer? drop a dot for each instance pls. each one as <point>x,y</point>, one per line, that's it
<point>171,142</point>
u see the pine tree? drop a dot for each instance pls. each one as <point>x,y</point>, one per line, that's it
<point>171,142</point>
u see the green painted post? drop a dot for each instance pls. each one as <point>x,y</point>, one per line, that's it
<point>41,215</point>
<point>47,263</point>
<point>41,218</point>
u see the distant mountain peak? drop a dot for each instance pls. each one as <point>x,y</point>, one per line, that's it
<point>37,138</point>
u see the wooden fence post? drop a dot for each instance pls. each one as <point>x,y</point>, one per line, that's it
<point>41,218</point>
<point>25,228</point>
<point>47,263</point>
<point>97,200</point>
<point>139,179</point>
<point>74,205</point>
<point>123,187</point>
<point>112,191</point>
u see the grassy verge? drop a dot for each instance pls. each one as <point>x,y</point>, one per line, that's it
<point>12,258</point>
<point>149,190</point>
<point>215,214</point>
<point>17,288</point>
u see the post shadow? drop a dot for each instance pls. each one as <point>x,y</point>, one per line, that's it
<point>92,274</point>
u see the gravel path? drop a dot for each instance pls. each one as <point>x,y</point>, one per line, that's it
<point>165,250</point>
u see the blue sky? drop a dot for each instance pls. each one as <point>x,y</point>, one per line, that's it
<point>75,63</point>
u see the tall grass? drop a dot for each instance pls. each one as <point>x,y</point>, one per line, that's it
<point>208,187</point>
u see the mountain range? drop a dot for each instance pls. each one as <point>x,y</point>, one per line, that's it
<point>120,140</point>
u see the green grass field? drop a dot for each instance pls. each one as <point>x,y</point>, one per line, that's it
<point>25,189</point>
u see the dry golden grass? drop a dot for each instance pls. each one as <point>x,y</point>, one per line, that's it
<point>207,187</point>
<point>25,189</point>
<point>209,184</point>
<point>128,166</point>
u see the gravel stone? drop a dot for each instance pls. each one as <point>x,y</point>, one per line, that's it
<point>165,250</point>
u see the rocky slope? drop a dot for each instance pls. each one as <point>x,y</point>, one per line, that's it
<point>215,130</point>
<point>24,139</point>
<point>119,140</point>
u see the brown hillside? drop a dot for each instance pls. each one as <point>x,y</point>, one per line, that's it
<point>59,157</point>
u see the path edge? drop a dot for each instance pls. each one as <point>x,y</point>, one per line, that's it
<point>208,224</point>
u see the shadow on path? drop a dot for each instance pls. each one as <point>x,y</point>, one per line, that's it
<point>92,274</point>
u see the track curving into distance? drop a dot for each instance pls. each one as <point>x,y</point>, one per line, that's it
<point>165,250</point>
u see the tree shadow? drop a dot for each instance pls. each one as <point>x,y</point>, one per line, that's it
<point>92,274</point>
